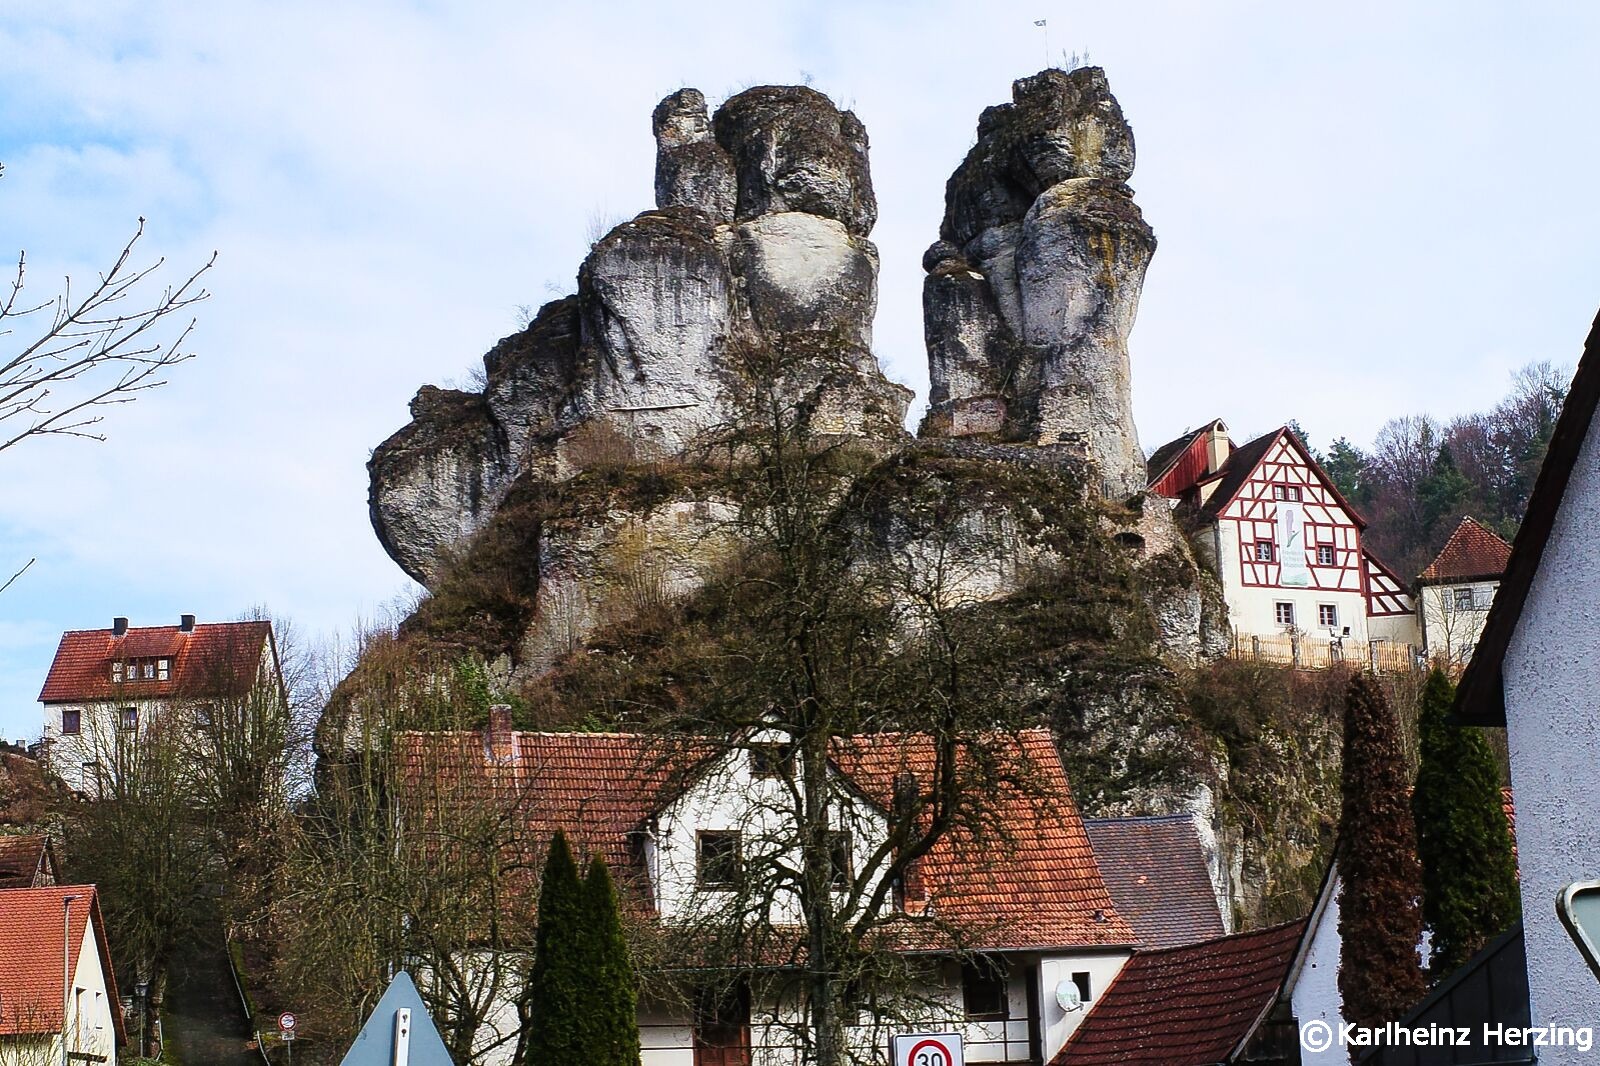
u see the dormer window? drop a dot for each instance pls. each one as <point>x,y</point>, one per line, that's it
<point>163,669</point>
<point>116,672</point>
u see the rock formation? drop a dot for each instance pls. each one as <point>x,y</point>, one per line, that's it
<point>1033,285</point>
<point>570,516</point>
<point>758,243</point>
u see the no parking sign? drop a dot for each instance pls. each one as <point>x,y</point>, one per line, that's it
<point>928,1049</point>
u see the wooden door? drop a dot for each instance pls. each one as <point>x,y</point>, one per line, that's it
<point>722,1031</point>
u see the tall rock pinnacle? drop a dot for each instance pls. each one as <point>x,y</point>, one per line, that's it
<point>1034,283</point>
<point>757,244</point>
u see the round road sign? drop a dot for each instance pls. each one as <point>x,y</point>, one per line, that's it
<point>287,1022</point>
<point>930,1052</point>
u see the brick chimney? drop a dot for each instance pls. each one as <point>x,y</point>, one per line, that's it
<point>186,623</point>
<point>499,739</point>
<point>119,626</point>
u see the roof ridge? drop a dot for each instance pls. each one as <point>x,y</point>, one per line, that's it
<point>1242,934</point>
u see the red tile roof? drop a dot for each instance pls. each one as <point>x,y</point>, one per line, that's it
<point>1473,551</point>
<point>216,659</point>
<point>1156,870</point>
<point>22,858</point>
<point>1026,879</point>
<point>30,956</point>
<point>1189,1006</point>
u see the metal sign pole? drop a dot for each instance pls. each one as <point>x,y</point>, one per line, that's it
<point>402,1038</point>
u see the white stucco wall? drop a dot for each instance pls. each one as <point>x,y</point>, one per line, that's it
<point>1252,609</point>
<point>1315,994</point>
<point>1552,681</point>
<point>1450,632</point>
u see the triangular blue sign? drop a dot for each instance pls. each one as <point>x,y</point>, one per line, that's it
<point>398,1019</point>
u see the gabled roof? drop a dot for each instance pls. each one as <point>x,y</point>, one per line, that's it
<point>1472,552</point>
<point>22,858</point>
<point>31,952</point>
<point>1244,460</point>
<point>216,659</point>
<point>1031,882</point>
<point>1156,870</point>
<point>1480,698</point>
<point>1167,458</point>
<point>1188,1006</point>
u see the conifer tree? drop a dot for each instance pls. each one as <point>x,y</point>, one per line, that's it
<point>558,994</point>
<point>1380,919</point>
<point>613,1004</point>
<point>1469,877</point>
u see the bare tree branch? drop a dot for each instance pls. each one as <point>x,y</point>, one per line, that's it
<point>92,351</point>
<point>18,574</point>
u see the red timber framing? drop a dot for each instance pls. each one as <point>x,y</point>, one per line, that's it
<point>1386,593</point>
<point>1286,473</point>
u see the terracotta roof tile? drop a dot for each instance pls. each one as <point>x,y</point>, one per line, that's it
<point>216,659</point>
<point>21,858</point>
<point>1473,551</point>
<point>1156,870</point>
<point>30,955</point>
<point>1188,1006</point>
<point>1038,887</point>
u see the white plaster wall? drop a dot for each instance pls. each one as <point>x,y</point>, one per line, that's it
<point>1315,995</point>
<point>1552,678</point>
<point>728,798</point>
<point>1058,1025</point>
<point>90,1027</point>
<point>1448,631</point>
<point>1252,610</point>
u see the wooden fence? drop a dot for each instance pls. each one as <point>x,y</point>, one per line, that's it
<point>1318,653</point>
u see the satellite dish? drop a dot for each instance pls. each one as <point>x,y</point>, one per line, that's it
<point>1068,996</point>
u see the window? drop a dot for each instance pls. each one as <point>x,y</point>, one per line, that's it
<point>205,715</point>
<point>839,859</point>
<point>1286,492</point>
<point>116,672</point>
<point>983,989</point>
<point>149,670</point>
<point>1263,551</point>
<point>163,669</point>
<point>1327,615</point>
<point>72,721</point>
<point>128,719</point>
<point>1284,613</point>
<point>772,760</point>
<point>718,863</point>
<point>1081,979</point>
<point>1463,599</point>
<point>91,773</point>
<point>1326,555</point>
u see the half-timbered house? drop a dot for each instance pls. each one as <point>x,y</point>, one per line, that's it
<point>1287,548</point>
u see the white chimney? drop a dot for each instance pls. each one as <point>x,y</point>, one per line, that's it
<point>1217,446</point>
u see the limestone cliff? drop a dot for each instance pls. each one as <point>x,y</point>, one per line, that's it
<point>1034,282</point>
<point>575,521</point>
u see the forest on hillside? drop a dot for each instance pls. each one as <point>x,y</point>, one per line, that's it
<point>1421,476</point>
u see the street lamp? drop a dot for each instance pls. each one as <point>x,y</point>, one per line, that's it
<point>66,972</point>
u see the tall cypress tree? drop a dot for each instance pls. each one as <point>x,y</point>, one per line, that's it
<point>613,1004</point>
<point>1469,876</point>
<point>1380,920</point>
<point>558,991</point>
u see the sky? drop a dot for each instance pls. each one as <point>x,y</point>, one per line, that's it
<point>1364,210</point>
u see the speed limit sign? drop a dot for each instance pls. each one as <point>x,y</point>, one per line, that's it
<point>928,1049</point>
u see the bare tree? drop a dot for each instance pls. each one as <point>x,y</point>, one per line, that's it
<point>66,358</point>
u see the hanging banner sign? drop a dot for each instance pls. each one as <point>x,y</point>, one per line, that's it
<point>1292,570</point>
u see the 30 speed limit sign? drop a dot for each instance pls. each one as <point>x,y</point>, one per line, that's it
<point>928,1049</point>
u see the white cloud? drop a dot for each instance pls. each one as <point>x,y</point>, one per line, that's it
<point>1363,211</point>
